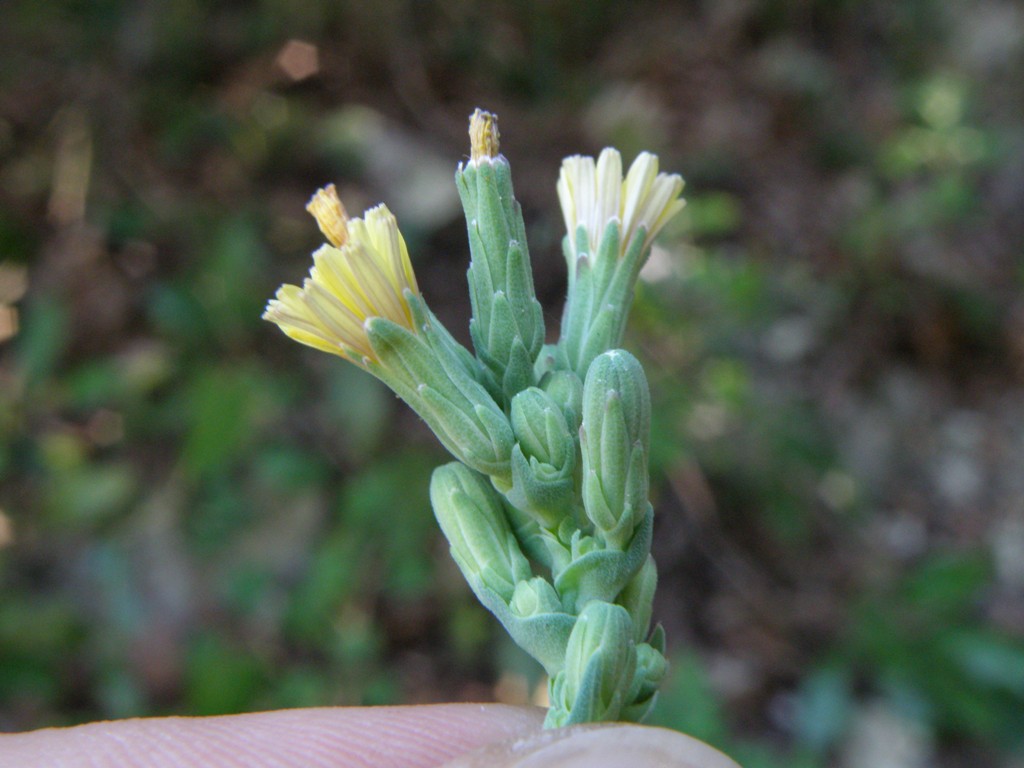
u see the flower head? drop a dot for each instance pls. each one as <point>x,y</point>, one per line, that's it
<point>363,273</point>
<point>592,194</point>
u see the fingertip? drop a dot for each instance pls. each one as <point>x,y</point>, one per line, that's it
<point>597,746</point>
<point>341,737</point>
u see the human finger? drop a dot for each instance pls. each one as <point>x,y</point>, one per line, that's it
<point>341,737</point>
<point>612,745</point>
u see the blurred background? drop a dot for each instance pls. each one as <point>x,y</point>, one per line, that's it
<point>199,516</point>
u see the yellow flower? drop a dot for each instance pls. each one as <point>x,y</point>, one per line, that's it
<point>363,273</point>
<point>592,194</point>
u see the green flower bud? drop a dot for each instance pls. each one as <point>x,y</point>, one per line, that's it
<point>550,358</point>
<point>566,389</point>
<point>428,371</point>
<point>600,665</point>
<point>540,429</point>
<point>651,668</point>
<point>534,597</point>
<point>540,490</point>
<point>544,459</point>
<point>638,597</point>
<point>618,372</point>
<point>483,545</point>
<point>614,441</point>
<point>581,545</point>
<point>539,544</point>
<point>473,520</point>
<point>508,325</point>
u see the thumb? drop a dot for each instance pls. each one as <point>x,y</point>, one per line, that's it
<point>597,746</point>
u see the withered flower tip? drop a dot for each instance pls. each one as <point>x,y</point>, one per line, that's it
<point>483,135</point>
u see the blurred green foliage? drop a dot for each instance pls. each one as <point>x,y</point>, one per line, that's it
<point>205,518</point>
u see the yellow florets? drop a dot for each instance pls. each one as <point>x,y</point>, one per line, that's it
<point>592,194</point>
<point>363,273</point>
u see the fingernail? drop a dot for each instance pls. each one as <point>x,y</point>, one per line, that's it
<point>598,746</point>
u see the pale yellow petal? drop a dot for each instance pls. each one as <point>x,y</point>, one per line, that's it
<point>586,194</point>
<point>636,188</point>
<point>294,318</point>
<point>652,206</point>
<point>609,187</point>
<point>374,285</point>
<point>566,195</point>
<point>342,325</point>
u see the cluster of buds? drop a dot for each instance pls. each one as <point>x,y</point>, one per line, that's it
<point>546,507</point>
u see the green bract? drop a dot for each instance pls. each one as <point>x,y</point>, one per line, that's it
<point>439,379</point>
<point>543,459</point>
<point>546,510</point>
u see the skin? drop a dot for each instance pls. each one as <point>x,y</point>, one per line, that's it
<point>432,736</point>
